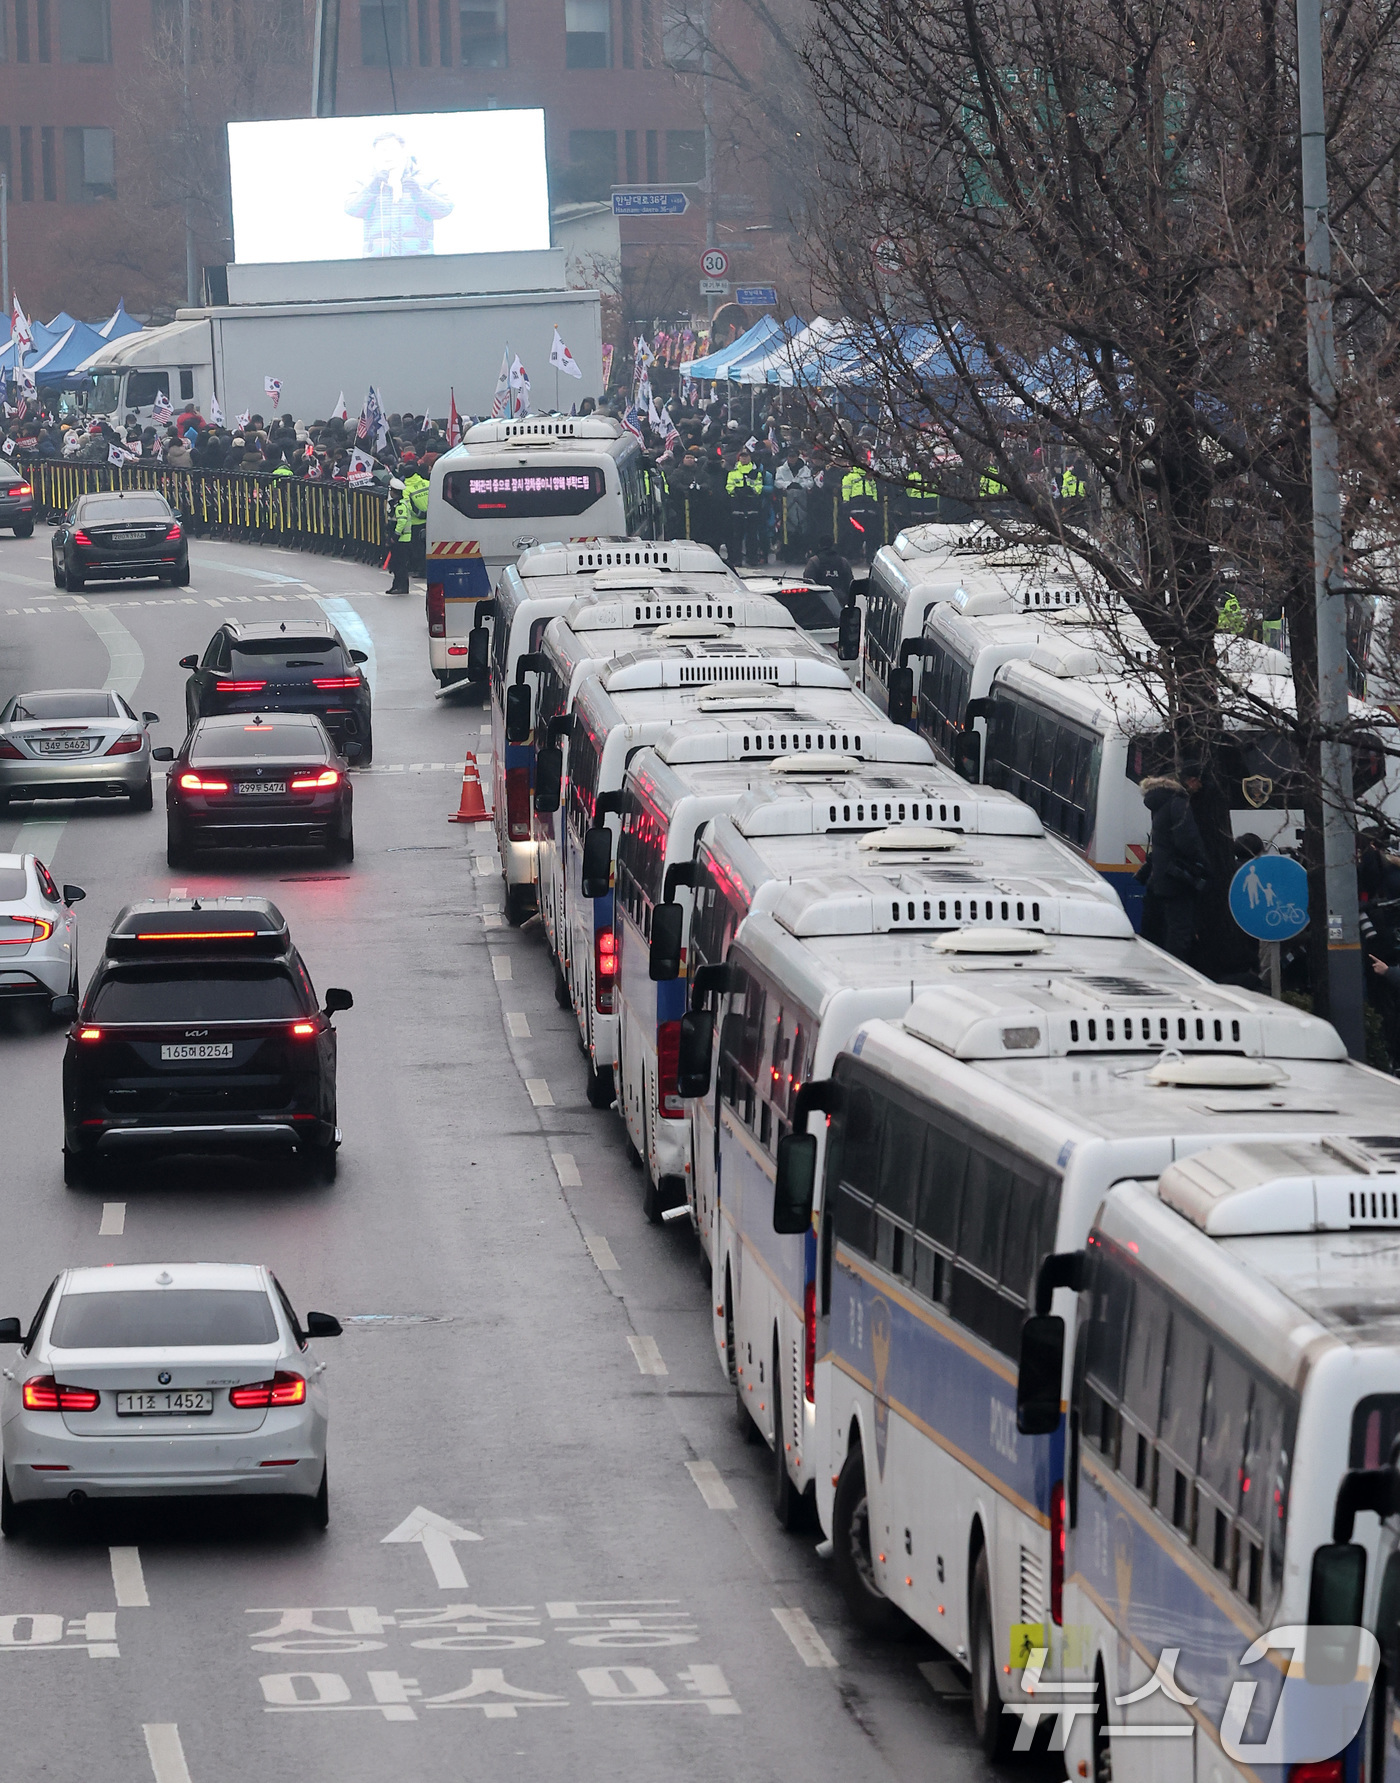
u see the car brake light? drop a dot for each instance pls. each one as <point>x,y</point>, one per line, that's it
<point>303,1030</point>
<point>809,1343</point>
<point>42,1393</point>
<point>668,1065</point>
<point>604,970</point>
<point>200,935</point>
<point>24,489</point>
<point>174,532</point>
<point>194,783</point>
<point>309,782</point>
<point>1320,1770</point>
<point>1057,1554</point>
<point>518,804</point>
<point>8,752</point>
<point>239,686</point>
<point>282,1389</point>
<point>437,611</point>
<point>81,538</point>
<point>40,928</point>
<point>127,745</point>
<point>89,1033</point>
<point>327,681</point>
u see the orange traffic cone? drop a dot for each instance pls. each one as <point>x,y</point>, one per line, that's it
<point>472,808</point>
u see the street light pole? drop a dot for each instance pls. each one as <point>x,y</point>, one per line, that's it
<point>5,243</point>
<point>191,260</point>
<point>1345,991</point>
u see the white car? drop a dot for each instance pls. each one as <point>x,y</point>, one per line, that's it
<point>38,932</point>
<point>75,743</point>
<point>153,1380</point>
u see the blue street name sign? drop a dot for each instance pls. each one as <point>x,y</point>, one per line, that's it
<point>755,297</point>
<point>650,204</point>
<point>1269,898</point>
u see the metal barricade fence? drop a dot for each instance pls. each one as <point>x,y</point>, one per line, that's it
<point>330,518</point>
<point>791,524</point>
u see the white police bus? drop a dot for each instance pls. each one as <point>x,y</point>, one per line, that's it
<point>513,484</point>
<point>1025,1094</point>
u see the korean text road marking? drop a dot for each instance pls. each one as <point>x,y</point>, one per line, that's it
<point>393,1696</point>
<point>94,1634</point>
<point>113,1219</point>
<point>128,1580</point>
<point>648,1355</point>
<point>712,1488</point>
<point>166,1753</point>
<point>797,1626</point>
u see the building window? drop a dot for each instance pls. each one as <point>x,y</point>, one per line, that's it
<point>21,30</point>
<point>48,162</point>
<point>89,166</point>
<point>588,33</point>
<point>41,25</point>
<point>26,163</point>
<point>445,32</point>
<point>685,156</point>
<point>633,170</point>
<point>681,40</point>
<point>594,157</point>
<point>653,159</point>
<point>425,34</point>
<point>483,27</point>
<point>384,33</point>
<point>6,166</point>
<point>629,54</point>
<point>4,34</point>
<point>84,31</point>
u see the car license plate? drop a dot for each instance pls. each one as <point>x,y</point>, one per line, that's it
<point>256,786</point>
<point>63,746</point>
<point>128,538</point>
<point>172,1404</point>
<point>199,1049</point>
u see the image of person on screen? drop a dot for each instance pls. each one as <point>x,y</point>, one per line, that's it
<point>398,203</point>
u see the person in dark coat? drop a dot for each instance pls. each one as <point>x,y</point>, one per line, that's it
<point>829,567</point>
<point>1176,870</point>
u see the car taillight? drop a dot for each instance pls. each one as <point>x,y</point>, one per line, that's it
<point>329,681</point>
<point>668,1065</point>
<point>174,532</point>
<point>809,1343</point>
<point>239,686</point>
<point>604,970</point>
<point>8,752</point>
<point>81,538</point>
<point>303,1030</point>
<point>196,783</point>
<point>127,745</point>
<point>42,1393</point>
<point>518,804</point>
<point>437,611</point>
<point>89,1033</point>
<point>282,1389</point>
<point>36,928</point>
<point>1057,1554</point>
<point>310,782</point>
<point>24,489</point>
<point>1320,1770</point>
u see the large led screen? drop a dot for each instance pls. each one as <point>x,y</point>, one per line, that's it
<point>454,182</point>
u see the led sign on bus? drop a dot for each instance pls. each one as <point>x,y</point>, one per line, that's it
<point>458,182</point>
<point>518,495</point>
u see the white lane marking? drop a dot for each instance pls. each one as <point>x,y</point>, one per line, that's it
<point>128,1580</point>
<point>128,664</point>
<point>648,1356</point>
<point>487,864</point>
<point>712,1488</point>
<point>28,581</point>
<point>797,1626</point>
<point>601,1252</point>
<point>166,1752</point>
<point>113,1219</point>
<point>486,730</point>
<point>40,836</point>
<point>517,1024</point>
<point>539,1092</point>
<point>500,965</point>
<point>352,628</point>
<point>492,919</point>
<point>567,1170</point>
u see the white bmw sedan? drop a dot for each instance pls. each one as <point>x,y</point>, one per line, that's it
<point>38,932</point>
<point>169,1380</point>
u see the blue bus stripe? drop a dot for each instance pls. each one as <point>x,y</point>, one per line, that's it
<point>931,1316</point>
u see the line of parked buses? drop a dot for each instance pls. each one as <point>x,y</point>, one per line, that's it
<point>1059,1280</point>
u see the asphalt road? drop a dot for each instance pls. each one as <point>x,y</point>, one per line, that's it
<point>526,1361</point>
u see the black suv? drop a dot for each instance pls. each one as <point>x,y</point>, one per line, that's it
<point>300,665</point>
<point>200,1031</point>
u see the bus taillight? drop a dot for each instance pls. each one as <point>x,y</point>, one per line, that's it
<point>437,611</point>
<point>518,804</point>
<point>1057,1552</point>
<point>605,973</point>
<point>668,1066</point>
<point>809,1344</point>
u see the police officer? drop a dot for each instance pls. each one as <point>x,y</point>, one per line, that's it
<point>1071,484</point>
<point>860,510</point>
<point>744,487</point>
<point>403,534</point>
<point>415,499</point>
<point>1231,616</point>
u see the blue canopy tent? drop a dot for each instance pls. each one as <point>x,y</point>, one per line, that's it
<point>719,365</point>
<point>118,324</point>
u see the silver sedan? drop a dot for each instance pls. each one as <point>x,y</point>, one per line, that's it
<point>75,743</point>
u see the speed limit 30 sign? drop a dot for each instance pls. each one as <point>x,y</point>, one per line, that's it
<point>714,263</point>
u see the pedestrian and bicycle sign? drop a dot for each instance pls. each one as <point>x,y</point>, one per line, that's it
<point>1269,898</point>
<point>653,202</point>
<point>714,263</point>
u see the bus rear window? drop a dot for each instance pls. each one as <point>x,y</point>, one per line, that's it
<point>524,494</point>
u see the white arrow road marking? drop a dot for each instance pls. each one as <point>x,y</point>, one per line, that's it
<point>436,1536</point>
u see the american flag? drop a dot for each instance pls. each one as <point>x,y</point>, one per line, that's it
<point>629,420</point>
<point>371,424</point>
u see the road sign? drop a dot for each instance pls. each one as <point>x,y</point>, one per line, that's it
<point>714,287</point>
<point>755,297</point>
<point>714,263</point>
<point>1269,898</point>
<point>653,203</point>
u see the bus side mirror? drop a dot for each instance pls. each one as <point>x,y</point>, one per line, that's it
<point>968,755</point>
<point>664,961</point>
<point>848,633</point>
<point>549,777</point>
<point>796,1182</point>
<point>1336,1597</point>
<point>479,655</point>
<point>519,701</point>
<point>696,1052</point>
<point>597,863</point>
<point>1039,1375</point>
<point>901,696</point>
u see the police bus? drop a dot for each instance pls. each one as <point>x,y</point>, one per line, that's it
<point>969,1142</point>
<point>1234,1402</point>
<point>512,484</point>
<point>543,582</point>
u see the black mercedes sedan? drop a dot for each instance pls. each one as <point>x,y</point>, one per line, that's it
<point>118,533</point>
